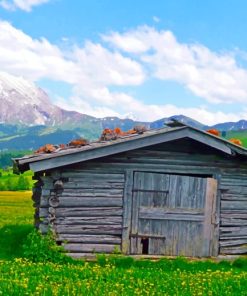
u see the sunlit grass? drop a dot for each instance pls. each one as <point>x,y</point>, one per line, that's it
<point>21,277</point>
<point>16,219</point>
<point>114,275</point>
<point>16,208</point>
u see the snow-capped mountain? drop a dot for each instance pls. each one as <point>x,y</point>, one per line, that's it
<point>22,102</point>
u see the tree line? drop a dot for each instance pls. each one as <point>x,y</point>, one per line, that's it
<point>11,182</point>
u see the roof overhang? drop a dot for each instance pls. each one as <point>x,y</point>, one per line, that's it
<point>44,162</point>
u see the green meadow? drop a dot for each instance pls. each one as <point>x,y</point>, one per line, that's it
<point>45,273</point>
<point>13,182</point>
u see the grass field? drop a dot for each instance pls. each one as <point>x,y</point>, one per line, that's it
<point>114,275</point>
<point>15,207</point>
<point>16,218</point>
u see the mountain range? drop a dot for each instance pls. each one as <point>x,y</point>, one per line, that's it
<point>28,119</point>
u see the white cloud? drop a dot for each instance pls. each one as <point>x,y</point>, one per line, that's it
<point>33,59</point>
<point>107,68</point>
<point>25,5</point>
<point>76,103</point>
<point>93,69</point>
<point>88,66</point>
<point>213,76</point>
<point>145,112</point>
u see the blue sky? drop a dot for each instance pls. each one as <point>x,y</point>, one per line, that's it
<point>140,59</point>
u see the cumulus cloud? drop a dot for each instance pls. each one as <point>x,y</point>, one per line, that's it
<point>31,58</point>
<point>215,77</point>
<point>127,59</point>
<point>146,112</point>
<point>91,65</point>
<point>25,5</point>
<point>107,68</point>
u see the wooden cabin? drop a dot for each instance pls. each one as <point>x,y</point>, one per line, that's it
<point>170,191</point>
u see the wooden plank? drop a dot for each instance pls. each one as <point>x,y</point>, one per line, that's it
<point>92,192</point>
<point>84,212</point>
<point>108,220</point>
<point>233,231</point>
<point>235,205</point>
<point>127,209</point>
<point>241,250</point>
<point>234,242</point>
<point>171,214</point>
<point>89,229</point>
<point>135,241</point>
<point>234,215</point>
<point>234,182</point>
<point>210,206</point>
<point>81,174</point>
<point>172,160</point>
<point>233,212</point>
<point>86,202</point>
<point>233,222</point>
<point>166,210</point>
<point>216,210</point>
<point>159,168</point>
<point>228,238</point>
<point>233,189</point>
<point>89,248</point>
<point>180,155</point>
<point>78,184</point>
<point>78,238</point>
<point>234,197</point>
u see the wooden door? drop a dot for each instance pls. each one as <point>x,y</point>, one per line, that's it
<point>173,215</point>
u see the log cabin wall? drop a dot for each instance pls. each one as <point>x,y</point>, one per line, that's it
<point>93,212</point>
<point>86,213</point>
<point>233,212</point>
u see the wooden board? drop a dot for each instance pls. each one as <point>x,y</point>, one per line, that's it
<point>87,216</point>
<point>89,248</point>
<point>96,239</point>
<point>83,212</point>
<point>174,213</point>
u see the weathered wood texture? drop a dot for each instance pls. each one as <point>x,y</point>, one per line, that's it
<point>172,214</point>
<point>87,215</point>
<point>233,218</point>
<point>97,188</point>
<point>36,197</point>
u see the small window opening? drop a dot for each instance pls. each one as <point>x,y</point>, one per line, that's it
<point>145,243</point>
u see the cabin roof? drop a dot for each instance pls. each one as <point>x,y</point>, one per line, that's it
<point>94,150</point>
